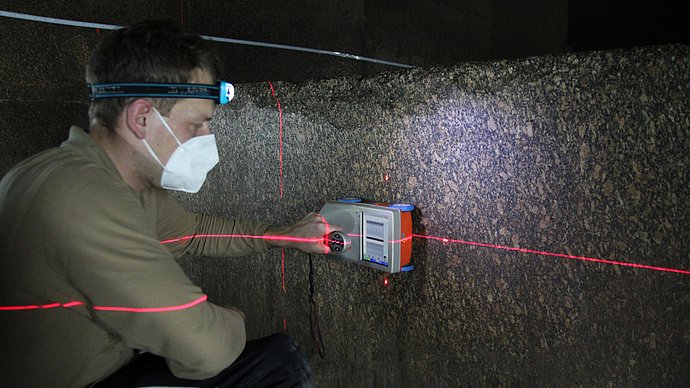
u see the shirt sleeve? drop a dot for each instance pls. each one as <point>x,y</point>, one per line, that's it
<point>110,251</point>
<point>203,234</point>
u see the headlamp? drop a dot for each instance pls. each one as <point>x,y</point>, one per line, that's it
<point>222,92</point>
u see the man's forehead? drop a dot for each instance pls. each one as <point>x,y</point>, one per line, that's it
<point>194,108</point>
<point>201,108</point>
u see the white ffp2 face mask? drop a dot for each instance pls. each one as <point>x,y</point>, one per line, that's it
<point>189,164</point>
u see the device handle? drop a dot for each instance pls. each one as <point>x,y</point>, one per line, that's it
<point>338,242</point>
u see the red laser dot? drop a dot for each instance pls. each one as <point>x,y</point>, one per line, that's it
<point>386,178</point>
<point>385,282</point>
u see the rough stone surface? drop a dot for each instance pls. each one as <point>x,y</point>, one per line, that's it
<point>582,154</point>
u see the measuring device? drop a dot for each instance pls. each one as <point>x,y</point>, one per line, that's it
<point>375,235</point>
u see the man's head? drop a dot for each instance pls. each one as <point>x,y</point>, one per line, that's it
<point>151,51</point>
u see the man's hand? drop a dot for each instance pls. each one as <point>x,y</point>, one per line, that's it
<point>306,235</point>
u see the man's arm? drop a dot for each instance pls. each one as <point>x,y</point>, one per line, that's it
<point>207,235</point>
<point>183,232</point>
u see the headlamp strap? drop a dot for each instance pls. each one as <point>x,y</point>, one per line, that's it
<point>222,93</point>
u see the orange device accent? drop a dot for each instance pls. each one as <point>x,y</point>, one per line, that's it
<point>406,237</point>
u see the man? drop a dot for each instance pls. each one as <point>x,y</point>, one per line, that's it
<point>88,292</point>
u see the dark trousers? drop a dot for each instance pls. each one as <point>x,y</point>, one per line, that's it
<point>273,361</point>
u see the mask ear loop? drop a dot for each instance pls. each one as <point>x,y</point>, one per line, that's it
<point>148,147</point>
<point>166,125</point>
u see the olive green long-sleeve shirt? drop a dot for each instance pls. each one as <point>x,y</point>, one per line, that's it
<point>75,239</point>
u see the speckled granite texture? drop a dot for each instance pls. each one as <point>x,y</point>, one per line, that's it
<point>582,154</point>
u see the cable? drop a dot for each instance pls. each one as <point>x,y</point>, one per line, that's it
<point>314,326</point>
<point>63,22</point>
<point>75,23</point>
<point>307,50</point>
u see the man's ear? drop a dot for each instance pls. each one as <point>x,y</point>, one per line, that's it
<point>138,113</point>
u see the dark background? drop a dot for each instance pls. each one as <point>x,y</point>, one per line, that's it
<point>42,65</point>
<point>414,32</point>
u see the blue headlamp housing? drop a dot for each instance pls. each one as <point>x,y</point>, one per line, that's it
<point>222,93</point>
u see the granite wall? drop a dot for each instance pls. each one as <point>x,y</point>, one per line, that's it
<point>586,155</point>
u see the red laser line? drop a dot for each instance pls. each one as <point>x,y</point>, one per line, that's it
<point>457,241</point>
<point>153,309</point>
<point>31,307</point>
<point>391,241</point>
<point>280,184</point>
<point>185,306</point>
<point>280,139</point>
<point>265,237</point>
<point>73,304</point>
<point>282,270</point>
<point>283,238</point>
<point>561,255</point>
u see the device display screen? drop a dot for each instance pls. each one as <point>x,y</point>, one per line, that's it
<point>375,241</point>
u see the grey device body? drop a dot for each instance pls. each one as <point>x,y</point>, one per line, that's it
<point>370,235</point>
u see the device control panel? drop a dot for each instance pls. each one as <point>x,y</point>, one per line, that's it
<point>374,234</point>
